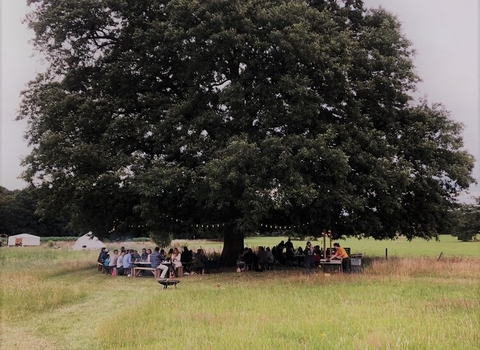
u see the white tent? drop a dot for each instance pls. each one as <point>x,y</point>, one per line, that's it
<point>23,240</point>
<point>88,241</point>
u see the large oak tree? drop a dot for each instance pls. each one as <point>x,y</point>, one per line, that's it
<point>163,116</point>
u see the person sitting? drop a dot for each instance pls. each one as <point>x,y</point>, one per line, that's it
<point>251,260</point>
<point>113,262</point>
<point>299,251</point>
<point>176,259</point>
<point>340,253</point>
<point>261,259</point>
<point>241,266</point>
<point>135,256</point>
<point>155,258</point>
<point>270,258</point>
<point>187,256</point>
<point>169,254</point>
<point>198,265</point>
<point>144,255</point>
<point>102,255</point>
<point>149,252</point>
<point>163,265</point>
<point>106,264</point>
<point>120,269</point>
<point>127,263</point>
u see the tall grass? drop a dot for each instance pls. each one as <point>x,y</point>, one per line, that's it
<point>27,279</point>
<point>56,299</point>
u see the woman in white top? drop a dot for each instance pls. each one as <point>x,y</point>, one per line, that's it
<point>176,256</point>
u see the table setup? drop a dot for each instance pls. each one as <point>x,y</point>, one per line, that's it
<point>140,266</point>
<point>325,262</point>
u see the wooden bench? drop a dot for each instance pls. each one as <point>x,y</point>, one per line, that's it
<point>136,270</point>
<point>165,283</point>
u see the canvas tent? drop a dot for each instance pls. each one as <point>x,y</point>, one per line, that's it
<point>23,240</point>
<point>88,241</point>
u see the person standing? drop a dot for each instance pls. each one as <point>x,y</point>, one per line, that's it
<point>308,251</point>
<point>289,244</point>
<point>340,253</point>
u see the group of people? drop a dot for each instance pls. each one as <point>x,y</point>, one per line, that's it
<point>285,254</point>
<point>260,260</point>
<point>121,262</point>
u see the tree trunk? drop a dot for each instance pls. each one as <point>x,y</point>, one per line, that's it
<point>232,247</point>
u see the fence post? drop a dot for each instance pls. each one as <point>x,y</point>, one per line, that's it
<point>386,253</point>
<point>440,256</point>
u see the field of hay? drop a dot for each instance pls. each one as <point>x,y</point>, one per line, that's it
<point>56,299</point>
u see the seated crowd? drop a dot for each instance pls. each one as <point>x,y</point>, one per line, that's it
<point>285,254</point>
<point>122,262</point>
<point>167,263</point>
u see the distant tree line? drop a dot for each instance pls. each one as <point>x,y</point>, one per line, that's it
<point>18,215</point>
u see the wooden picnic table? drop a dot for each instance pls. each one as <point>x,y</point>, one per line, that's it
<point>140,266</point>
<point>326,264</point>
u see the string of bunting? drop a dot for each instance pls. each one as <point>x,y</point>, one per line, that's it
<point>217,225</point>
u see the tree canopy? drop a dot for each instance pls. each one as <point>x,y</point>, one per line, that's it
<point>162,116</point>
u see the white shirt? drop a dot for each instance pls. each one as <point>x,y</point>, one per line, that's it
<point>120,261</point>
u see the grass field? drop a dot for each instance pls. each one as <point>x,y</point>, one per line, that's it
<point>448,245</point>
<point>56,299</point>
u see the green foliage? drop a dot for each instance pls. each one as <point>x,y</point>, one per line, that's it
<point>141,239</point>
<point>59,239</point>
<point>18,214</point>
<point>162,239</point>
<point>160,118</point>
<point>467,221</point>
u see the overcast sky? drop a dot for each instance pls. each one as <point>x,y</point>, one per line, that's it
<point>445,35</point>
